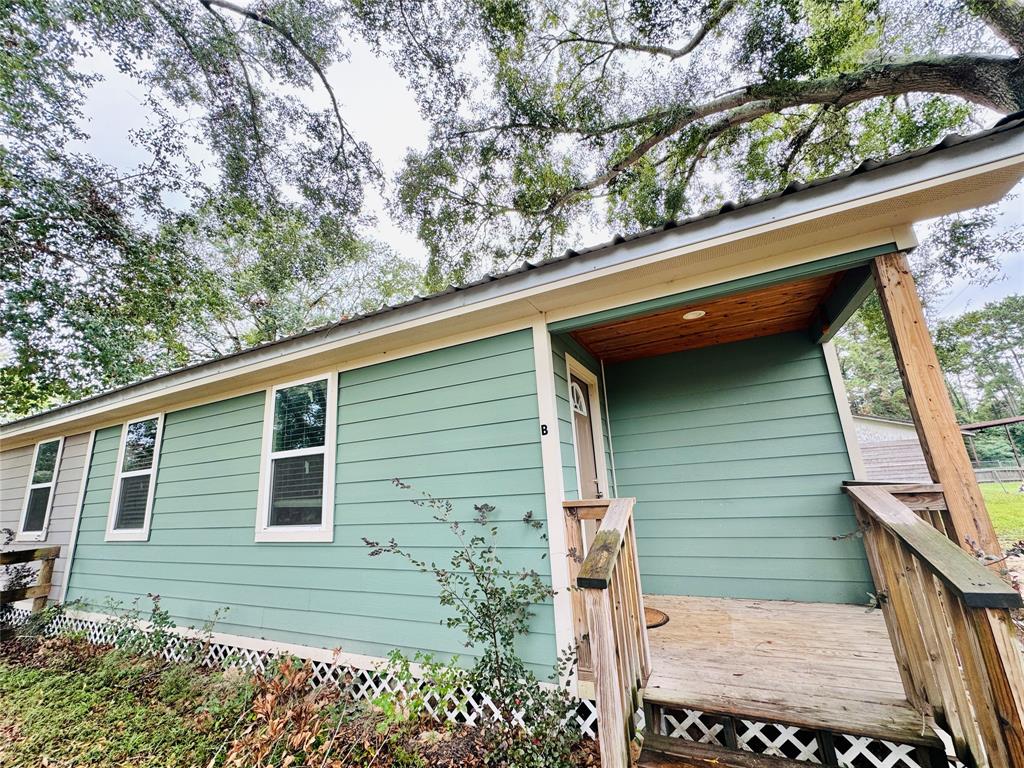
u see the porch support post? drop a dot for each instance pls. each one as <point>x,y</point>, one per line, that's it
<point>929,402</point>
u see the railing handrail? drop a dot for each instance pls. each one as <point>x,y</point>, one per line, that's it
<point>608,616</point>
<point>44,578</point>
<point>952,633</point>
<point>597,568</point>
<point>967,577</point>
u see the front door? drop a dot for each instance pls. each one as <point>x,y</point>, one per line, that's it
<point>583,432</point>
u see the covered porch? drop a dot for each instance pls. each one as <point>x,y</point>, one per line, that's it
<point>809,617</point>
<point>811,666</point>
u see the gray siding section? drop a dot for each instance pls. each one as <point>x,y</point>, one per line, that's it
<point>895,461</point>
<point>14,472</point>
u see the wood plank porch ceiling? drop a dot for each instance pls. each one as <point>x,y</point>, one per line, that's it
<point>763,312</point>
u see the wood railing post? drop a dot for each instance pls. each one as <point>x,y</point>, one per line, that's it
<point>950,622</point>
<point>39,592</point>
<point>44,581</point>
<point>609,581</point>
<point>611,717</point>
<point>929,402</point>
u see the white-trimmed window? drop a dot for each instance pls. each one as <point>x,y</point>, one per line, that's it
<point>42,479</point>
<point>296,500</point>
<point>131,503</point>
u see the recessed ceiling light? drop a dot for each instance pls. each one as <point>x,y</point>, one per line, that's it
<point>694,314</point>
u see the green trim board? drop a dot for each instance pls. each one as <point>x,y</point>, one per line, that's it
<point>736,456</point>
<point>845,299</point>
<point>763,280</point>
<point>459,422</point>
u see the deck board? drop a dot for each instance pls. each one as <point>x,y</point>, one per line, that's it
<point>816,665</point>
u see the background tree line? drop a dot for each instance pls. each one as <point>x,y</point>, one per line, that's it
<point>547,119</point>
<point>981,353</point>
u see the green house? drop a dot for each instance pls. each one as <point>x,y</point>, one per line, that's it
<point>671,399</point>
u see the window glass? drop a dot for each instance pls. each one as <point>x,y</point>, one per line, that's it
<point>35,515</point>
<point>140,444</point>
<point>131,504</point>
<point>46,462</point>
<point>297,490</point>
<point>300,416</point>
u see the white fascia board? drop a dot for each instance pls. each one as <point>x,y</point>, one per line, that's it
<point>970,158</point>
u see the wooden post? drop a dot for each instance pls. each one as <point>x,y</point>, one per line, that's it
<point>611,720</point>
<point>44,579</point>
<point>929,402</point>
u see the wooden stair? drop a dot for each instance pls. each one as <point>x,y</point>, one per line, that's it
<point>663,752</point>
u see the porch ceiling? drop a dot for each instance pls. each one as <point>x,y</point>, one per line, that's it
<point>762,312</point>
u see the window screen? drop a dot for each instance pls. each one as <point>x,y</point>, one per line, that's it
<point>297,455</point>
<point>40,487</point>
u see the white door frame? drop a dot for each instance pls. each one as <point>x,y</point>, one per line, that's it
<point>574,367</point>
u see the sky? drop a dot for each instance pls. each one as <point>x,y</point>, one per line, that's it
<point>380,110</point>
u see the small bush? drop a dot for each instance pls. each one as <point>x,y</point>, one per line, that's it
<point>492,606</point>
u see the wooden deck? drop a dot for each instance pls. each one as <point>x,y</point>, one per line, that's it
<point>815,665</point>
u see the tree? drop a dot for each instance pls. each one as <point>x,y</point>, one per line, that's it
<point>980,352</point>
<point>543,110</point>
<point>101,282</point>
<point>274,272</point>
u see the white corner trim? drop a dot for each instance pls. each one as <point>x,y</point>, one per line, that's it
<point>324,532</point>
<point>574,367</point>
<point>554,493</point>
<point>79,506</point>
<point>38,536</point>
<point>835,375</point>
<point>134,534</point>
<point>905,237</point>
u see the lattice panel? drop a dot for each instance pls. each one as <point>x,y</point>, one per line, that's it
<point>780,740</point>
<point>466,707</point>
<point>693,725</point>
<point>862,752</point>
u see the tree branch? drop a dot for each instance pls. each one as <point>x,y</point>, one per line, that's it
<point>615,44</point>
<point>266,21</point>
<point>993,81</point>
<point>1005,17</point>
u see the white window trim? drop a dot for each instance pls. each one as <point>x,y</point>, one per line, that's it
<point>574,367</point>
<point>134,534</point>
<point>324,532</point>
<point>40,535</point>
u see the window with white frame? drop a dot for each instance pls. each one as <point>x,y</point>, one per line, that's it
<point>131,504</point>
<point>297,472</point>
<point>35,514</point>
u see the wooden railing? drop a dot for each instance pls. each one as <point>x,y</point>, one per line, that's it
<point>949,621</point>
<point>608,617</point>
<point>44,578</point>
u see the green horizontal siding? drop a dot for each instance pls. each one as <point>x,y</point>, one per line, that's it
<point>459,422</point>
<point>736,456</point>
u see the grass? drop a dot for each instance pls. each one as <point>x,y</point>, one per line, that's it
<point>1006,508</point>
<point>112,709</point>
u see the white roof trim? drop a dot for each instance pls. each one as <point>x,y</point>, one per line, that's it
<point>970,158</point>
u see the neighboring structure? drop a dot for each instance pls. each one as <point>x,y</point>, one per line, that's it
<point>688,368</point>
<point>40,493</point>
<point>891,450</point>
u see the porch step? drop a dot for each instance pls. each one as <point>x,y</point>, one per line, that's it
<point>663,752</point>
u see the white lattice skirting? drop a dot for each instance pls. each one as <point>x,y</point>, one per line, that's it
<point>363,678</point>
<point>786,741</point>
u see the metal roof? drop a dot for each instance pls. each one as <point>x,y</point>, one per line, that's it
<point>1009,123</point>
